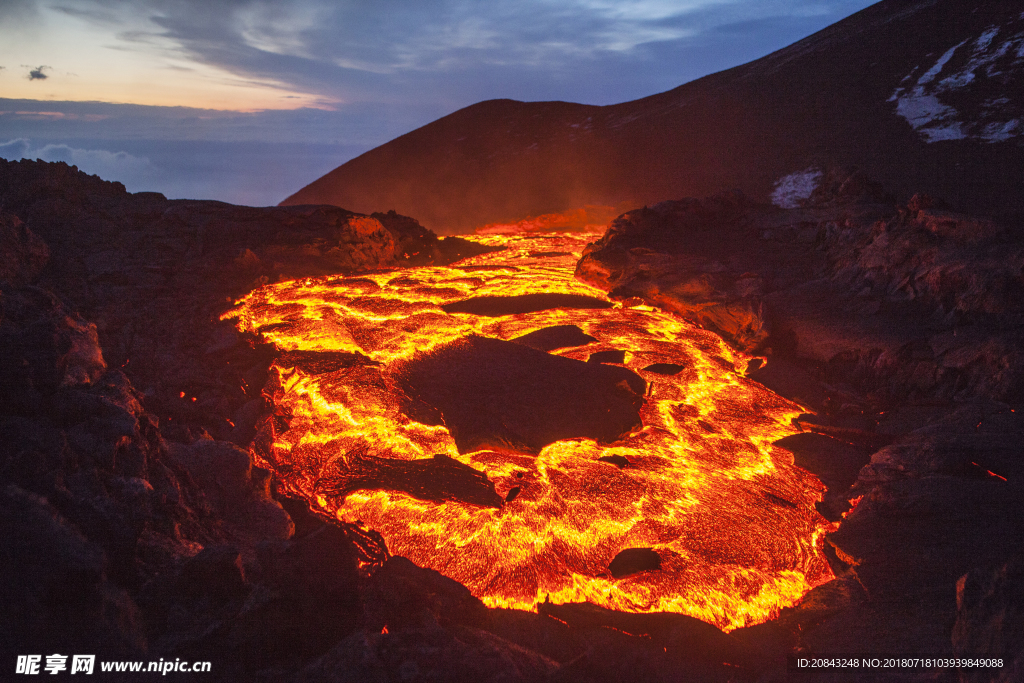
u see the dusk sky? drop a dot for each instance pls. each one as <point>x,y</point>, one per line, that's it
<point>248,101</point>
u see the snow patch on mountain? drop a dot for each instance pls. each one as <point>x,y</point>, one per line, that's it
<point>793,189</point>
<point>952,99</point>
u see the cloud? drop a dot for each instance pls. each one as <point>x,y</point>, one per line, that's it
<point>110,165</point>
<point>254,173</point>
<point>18,13</point>
<point>14,149</point>
<point>120,166</point>
<point>445,54</point>
<point>38,73</point>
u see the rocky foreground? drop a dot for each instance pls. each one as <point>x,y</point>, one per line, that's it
<point>136,527</point>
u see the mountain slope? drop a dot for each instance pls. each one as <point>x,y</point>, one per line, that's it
<point>924,95</point>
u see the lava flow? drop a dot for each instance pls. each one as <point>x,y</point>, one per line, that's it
<point>730,517</point>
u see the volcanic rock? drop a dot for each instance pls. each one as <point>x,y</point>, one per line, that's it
<point>927,516</point>
<point>54,588</point>
<point>238,492</point>
<point>665,368</point>
<point>294,604</point>
<point>402,595</point>
<point>555,337</point>
<point>216,569</point>
<point>610,356</point>
<point>791,379</point>
<point>22,253</point>
<point>912,301</point>
<point>990,620</point>
<point>154,277</point>
<point>633,560</point>
<point>437,479</point>
<point>46,347</point>
<point>426,627</point>
<point>495,306</point>
<point>419,246</point>
<point>432,654</point>
<point>97,507</point>
<point>702,640</point>
<point>643,255</point>
<point>504,396</point>
<point>320,362</point>
<point>834,462</point>
<point>316,574</point>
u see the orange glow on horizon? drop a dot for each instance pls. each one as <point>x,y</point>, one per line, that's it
<point>78,60</point>
<point>218,93</point>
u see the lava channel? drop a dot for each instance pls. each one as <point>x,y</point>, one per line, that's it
<point>521,504</point>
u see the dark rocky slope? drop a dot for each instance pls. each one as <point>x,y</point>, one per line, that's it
<point>924,95</point>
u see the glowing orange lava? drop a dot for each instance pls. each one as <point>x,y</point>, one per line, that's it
<point>729,514</point>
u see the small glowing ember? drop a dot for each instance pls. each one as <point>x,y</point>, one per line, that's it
<point>728,514</point>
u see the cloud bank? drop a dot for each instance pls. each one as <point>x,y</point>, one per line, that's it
<point>248,173</point>
<point>119,166</point>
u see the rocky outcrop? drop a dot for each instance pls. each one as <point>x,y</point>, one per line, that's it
<point>46,347</point>
<point>687,257</point>
<point>95,505</point>
<point>153,277</point>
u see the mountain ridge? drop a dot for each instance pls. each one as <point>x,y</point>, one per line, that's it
<point>858,93</point>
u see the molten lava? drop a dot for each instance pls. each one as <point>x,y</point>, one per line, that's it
<point>728,514</point>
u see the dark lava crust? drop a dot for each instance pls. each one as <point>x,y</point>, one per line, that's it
<point>499,395</point>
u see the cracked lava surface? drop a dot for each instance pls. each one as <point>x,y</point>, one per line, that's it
<point>730,516</point>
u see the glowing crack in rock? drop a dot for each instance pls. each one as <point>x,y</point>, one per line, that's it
<point>730,516</point>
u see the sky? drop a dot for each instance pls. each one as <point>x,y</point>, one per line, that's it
<point>248,101</point>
